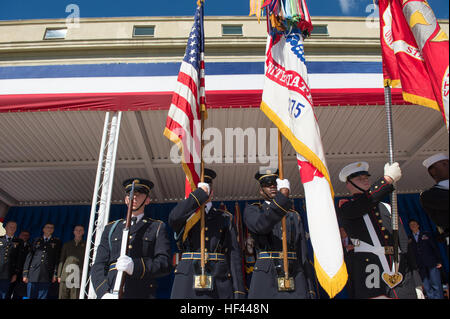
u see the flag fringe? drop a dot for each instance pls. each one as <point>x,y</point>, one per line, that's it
<point>420,100</point>
<point>332,285</point>
<point>299,147</point>
<point>392,83</point>
<point>176,140</point>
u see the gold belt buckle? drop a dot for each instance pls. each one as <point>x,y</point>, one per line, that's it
<point>388,250</point>
<point>286,284</point>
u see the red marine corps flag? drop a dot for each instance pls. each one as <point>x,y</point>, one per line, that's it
<point>415,53</point>
<point>183,125</point>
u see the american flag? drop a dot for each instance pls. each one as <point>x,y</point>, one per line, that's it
<point>183,125</point>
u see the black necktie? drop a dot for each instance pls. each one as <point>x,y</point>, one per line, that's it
<point>133,220</point>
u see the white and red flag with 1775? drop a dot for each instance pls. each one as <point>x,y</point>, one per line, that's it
<point>287,101</point>
<point>183,125</point>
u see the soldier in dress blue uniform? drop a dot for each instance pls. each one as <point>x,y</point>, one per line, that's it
<point>223,255</point>
<point>367,221</point>
<point>148,256</point>
<point>264,223</point>
<point>10,247</point>
<point>41,263</point>
<point>20,288</point>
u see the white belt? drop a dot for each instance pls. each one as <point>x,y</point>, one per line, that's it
<point>363,247</point>
<point>376,248</point>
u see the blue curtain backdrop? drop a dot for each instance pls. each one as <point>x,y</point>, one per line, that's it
<point>66,217</point>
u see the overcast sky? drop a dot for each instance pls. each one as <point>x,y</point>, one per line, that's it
<point>40,9</point>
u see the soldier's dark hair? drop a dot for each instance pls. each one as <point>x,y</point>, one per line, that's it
<point>413,220</point>
<point>48,223</point>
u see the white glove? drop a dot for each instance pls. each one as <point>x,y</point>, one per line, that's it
<point>393,171</point>
<point>204,185</point>
<point>110,296</point>
<point>283,183</point>
<point>419,293</point>
<point>126,264</point>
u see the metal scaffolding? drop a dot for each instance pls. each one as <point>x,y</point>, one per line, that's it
<point>101,200</point>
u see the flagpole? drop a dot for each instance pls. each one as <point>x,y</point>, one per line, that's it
<point>283,220</point>
<point>390,131</point>
<point>202,179</point>
<point>202,208</point>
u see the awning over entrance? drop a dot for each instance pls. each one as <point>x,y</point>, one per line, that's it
<point>148,86</point>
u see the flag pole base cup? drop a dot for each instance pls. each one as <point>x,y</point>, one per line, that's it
<point>392,280</point>
<point>286,284</point>
<point>203,282</point>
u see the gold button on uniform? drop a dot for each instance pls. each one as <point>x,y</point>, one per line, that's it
<point>386,236</point>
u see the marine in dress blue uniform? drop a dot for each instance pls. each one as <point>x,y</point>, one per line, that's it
<point>41,264</point>
<point>148,255</point>
<point>223,258</point>
<point>264,223</point>
<point>367,221</point>
<point>10,248</point>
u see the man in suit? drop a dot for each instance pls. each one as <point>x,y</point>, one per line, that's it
<point>41,263</point>
<point>435,200</point>
<point>10,247</point>
<point>264,223</point>
<point>367,222</point>
<point>428,259</point>
<point>148,256</point>
<point>71,265</point>
<point>223,263</point>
